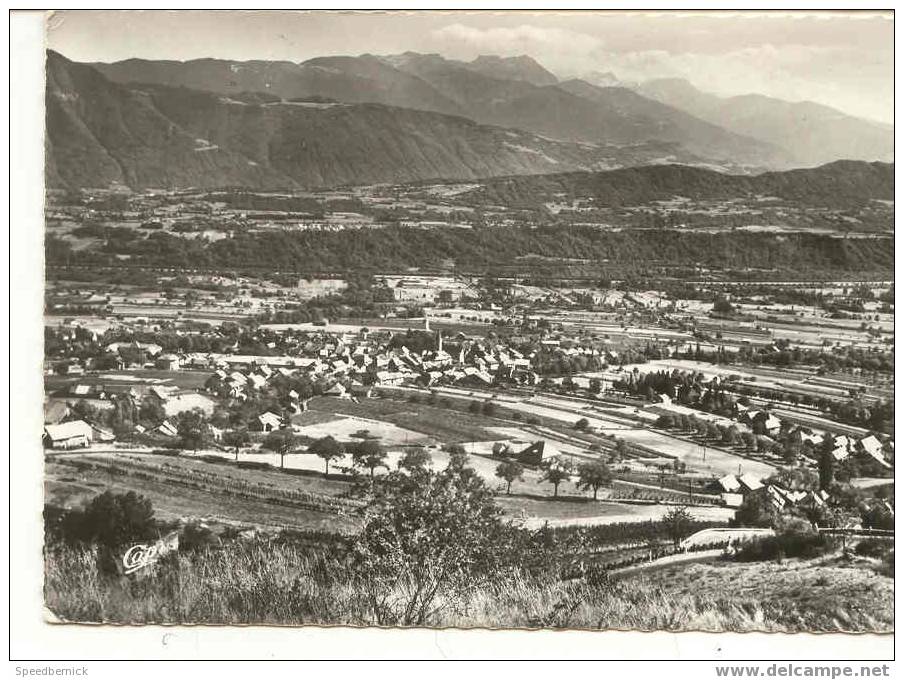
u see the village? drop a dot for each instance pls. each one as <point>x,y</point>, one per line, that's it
<point>537,397</point>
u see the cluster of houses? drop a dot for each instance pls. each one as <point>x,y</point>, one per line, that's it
<point>143,354</point>
<point>242,383</point>
<point>348,364</point>
<point>843,446</point>
<point>735,488</point>
<point>109,391</point>
<point>870,446</point>
<point>767,425</point>
<point>62,433</point>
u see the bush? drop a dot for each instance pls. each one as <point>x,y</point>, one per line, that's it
<point>253,465</point>
<point>792,544</point>
<point>196,537</point>
<point>878,517</point>
<point>109,520</point>
<point>116,519</point>
<point>872,547</point>
<point>429,540</point>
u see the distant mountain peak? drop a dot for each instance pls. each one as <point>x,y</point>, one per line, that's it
<point>521,59</point>
<point>601,79</point>
<point>812,133</point>
<point>521,67</point>
<point>674,86</point>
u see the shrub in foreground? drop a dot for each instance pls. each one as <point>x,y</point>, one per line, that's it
<point>872,547</point>
<point>805,545</point>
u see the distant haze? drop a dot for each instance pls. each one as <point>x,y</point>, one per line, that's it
<point>843,60</point>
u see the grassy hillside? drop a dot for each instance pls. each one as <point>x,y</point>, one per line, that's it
<point>257,581</point>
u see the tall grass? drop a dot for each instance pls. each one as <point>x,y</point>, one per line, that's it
<point>266,582</point>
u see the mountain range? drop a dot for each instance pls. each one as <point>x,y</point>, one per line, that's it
<point>148,135</point>
<point>407,117</point>
<point>514,93</point>
<point>811,133</point>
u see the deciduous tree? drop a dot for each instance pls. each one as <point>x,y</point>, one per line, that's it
<point>509,471</point>
<point>328,449</point>
<point>559,470</point>
<point>594,475</point>
<point>678,524</point>
<point>369,454</point>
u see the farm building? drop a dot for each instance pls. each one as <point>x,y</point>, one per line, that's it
<point>729,484</point>
<point>269,421</point>
<point>71,435</point>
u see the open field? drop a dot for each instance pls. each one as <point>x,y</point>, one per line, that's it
<point>184,380</point>
<point>72,479</point>
<point>173,504</point>
<point>348,427</point>
<point>583,511</point>
<point>705,459</point>
<point>68,486</point>
<point>438,423</point>
<point>186,402</point>
<point>801,381</point>
<point>710,462</point>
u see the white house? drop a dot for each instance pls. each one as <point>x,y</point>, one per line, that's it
<point>71,435</point>
<point>269,421</point>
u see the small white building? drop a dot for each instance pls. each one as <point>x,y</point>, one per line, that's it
<point>72,435</point>
<point>269,421</point>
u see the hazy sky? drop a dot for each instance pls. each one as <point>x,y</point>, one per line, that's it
<point>843,60</point>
